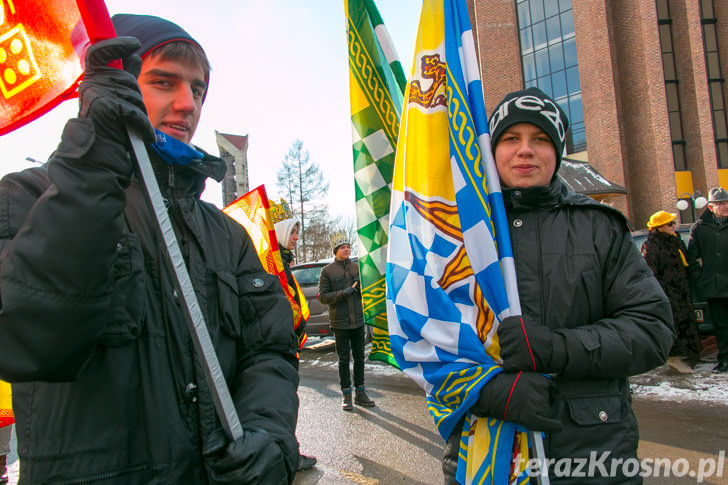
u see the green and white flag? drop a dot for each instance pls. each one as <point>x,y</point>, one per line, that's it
<point>376,85</point>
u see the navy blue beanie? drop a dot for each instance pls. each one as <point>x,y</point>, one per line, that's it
<point>151,31</point>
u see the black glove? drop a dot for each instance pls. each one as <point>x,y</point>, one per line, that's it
<point>522,398</point>
<point>525,345</point>
<point>348,291</point>
<point>111,97</point>
<point>253,459</point>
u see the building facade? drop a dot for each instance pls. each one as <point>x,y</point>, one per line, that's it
<point>234,152</point>
<point>641,80</point>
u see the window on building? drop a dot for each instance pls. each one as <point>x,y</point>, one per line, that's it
<point>548,56</point>
<point>669,71</point>
<point>715,81</point>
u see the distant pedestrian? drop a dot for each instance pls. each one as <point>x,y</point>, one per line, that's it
<point>339,287</point>
<point>287,227</point>
<point>708,266</point>
<point>665,253</point>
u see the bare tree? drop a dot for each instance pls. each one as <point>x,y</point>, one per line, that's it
<point>303,184</point>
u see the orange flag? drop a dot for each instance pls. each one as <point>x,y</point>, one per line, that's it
<point>252,211</point>
<point>6,405</point>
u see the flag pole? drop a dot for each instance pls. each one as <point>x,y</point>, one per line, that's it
<point>99,26</point>
<point>508,268</point>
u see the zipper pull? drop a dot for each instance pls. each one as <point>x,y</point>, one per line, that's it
<point>171,177</point>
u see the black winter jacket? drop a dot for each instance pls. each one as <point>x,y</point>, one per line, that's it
<point>708,257</point>
<point>580,274</point>
<point>107,388</point>
<point>344,311</point>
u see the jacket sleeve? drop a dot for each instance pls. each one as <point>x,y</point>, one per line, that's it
<point>327,295</point>
<point>55,281</point>
<point>265,384</point>
<point>636,331</point>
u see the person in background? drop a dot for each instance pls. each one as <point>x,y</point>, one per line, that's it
<point>708,266</point>
<point>287,227</point>
<point>593,313</point>
<point>665,253</point>
<point>107,385</point>
<point>339,288</point>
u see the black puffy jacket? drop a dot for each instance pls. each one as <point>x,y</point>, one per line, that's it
<point>344,311</point>
<point>708,257</point>
<point>579,272</point>
<point>106,385</point>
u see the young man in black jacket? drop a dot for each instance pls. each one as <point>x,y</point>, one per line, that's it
<point>593,313</point>
<point>107,386</point>
<point>339,288</point>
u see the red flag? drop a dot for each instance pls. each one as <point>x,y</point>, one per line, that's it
<point>42,44</point>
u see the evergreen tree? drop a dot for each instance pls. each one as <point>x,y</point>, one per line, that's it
<point>302,184</point>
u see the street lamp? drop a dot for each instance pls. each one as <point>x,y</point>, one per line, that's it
<point>697,201</point>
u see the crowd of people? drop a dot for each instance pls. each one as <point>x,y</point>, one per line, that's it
<point>82,265</point>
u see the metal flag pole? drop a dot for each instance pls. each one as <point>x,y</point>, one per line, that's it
<point>195,320</point>
<point>98,25</point>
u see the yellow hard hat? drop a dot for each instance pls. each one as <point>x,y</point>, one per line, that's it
<point>660,218</point>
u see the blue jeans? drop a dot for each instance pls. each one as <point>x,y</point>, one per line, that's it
<point>350,341</point>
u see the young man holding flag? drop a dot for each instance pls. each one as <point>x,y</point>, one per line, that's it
<point>107,386</point>
<point>593,314</point>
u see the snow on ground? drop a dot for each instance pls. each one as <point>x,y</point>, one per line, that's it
<point>13,469</point>
<point>666,384</point>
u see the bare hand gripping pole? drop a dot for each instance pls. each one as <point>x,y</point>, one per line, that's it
<point>195,320</point>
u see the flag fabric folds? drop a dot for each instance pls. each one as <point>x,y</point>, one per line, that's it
<point>6,405</point>
<point>41,50</point>
<point>376,84</point>
<point>448,241</point>
<point>252,211</point>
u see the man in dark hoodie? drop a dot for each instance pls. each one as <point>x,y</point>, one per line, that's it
<point>107,386</point>
<point>593,313</point>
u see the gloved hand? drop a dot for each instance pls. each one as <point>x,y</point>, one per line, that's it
<point>253,459</point>
<point>522,398</point>
<point>348,291</point>
<point>525,345</point>
<point>111,97</point>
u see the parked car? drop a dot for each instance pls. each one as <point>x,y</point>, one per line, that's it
<point>307,275</point>
<point>702,314</point>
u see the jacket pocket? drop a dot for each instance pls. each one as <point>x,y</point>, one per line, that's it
<point>595,410</point>
<point>227,298</point>
<point>595,423</point>
<point>592,287</point>
<point>264,309</point>
<point>127,309</point>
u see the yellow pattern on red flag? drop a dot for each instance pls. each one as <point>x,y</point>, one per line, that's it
<point>252,211</point>
<point>6,405</point>
<point>41,48</point>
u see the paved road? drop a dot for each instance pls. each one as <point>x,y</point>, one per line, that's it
<point>681,417</point>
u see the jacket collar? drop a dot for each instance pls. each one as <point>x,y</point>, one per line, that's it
<point>534,197</point>
<point>184,180</point>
